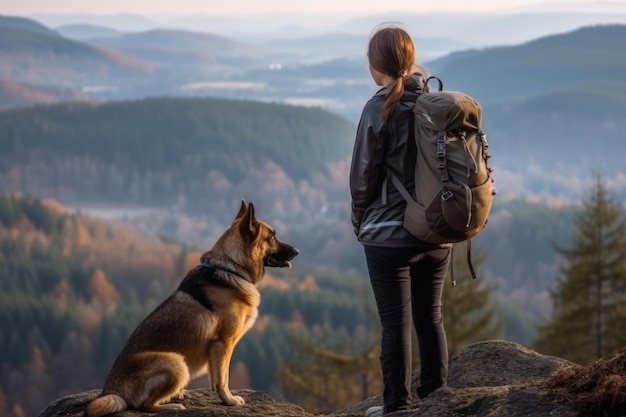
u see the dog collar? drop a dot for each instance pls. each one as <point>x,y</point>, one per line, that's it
<point>209,265</point>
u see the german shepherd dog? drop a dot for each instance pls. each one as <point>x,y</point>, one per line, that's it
<point>195,330</point>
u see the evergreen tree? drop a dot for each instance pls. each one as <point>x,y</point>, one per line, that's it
<point>326,372</point>
<point>589,298</point>
<point>468,310</point>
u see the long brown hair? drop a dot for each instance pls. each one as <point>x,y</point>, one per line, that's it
<point>391,51</point>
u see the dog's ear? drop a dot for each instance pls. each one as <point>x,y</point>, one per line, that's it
<point>248,224</point>
<point>242,210</point>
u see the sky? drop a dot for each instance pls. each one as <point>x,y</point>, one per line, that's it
<point>256,7</point>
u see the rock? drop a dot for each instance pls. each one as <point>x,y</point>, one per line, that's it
<point>497,363</point>
<point>486,379</point>
<point>199,402</point>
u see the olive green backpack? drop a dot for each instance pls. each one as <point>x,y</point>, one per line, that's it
<point>453,183</point>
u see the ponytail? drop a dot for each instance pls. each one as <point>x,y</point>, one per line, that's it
<point>392,98</point>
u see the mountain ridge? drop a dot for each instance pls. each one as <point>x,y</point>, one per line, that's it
<point>498,73</point>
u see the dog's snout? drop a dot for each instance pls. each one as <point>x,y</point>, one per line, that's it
<point>295,251</point>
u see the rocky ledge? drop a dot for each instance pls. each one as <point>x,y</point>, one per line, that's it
<point>486,379</point>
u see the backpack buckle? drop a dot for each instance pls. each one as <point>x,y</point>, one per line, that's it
<point>441,146</point>
<point>447,195</point>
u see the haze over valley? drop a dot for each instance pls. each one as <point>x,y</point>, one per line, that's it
<point>121,116</point>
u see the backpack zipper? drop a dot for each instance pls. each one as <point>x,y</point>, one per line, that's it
<point>469,158</point>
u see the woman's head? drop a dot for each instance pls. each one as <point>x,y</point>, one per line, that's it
<point>391,52</point>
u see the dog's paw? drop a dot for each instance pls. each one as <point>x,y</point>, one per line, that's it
<point>179,397</point>
<point>164,407</point>
<point>234,400</point>
<point>238,400</point>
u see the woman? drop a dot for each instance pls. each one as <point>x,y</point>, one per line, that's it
<point>407,275</point>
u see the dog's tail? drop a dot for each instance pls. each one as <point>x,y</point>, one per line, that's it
<point>107,404</point>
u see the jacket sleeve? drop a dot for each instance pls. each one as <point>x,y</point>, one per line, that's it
<point>366,171</point>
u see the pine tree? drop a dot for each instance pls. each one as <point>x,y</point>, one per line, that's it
<point>468,310</point>
<point>589,313</point>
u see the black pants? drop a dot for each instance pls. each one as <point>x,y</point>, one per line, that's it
<point>408,285</point>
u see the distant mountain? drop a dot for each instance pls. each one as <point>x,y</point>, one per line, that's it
<point>20,23</point>
<point>124,22</point>
<point>181,48</point>
<point>476,28</point>
<point>582,56</point>
<point>170,38</point>
<point>45,58</point>
<point>555,140</point>
<point>83,32</point>
<point>533,93</point>
<point>489,29</point>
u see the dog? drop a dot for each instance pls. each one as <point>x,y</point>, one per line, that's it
<point>195,330</point>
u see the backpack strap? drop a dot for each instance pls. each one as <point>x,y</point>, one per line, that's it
<point>396,182</point>
<point>452,266</point>
<point>469,258</point>
<point>468,244</point>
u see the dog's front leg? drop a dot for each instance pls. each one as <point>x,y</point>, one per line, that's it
<point>220,353</point>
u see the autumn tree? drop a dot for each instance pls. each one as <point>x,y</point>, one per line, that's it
<point>468,309</point>
<point>589,299</point>
<point>323,378</point>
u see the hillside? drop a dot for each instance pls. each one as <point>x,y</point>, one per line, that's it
<point>83,32</point>
<point>16,94</point>
<point>506,28</point>
<point>586,55</point>
<point>195,153</point>
<point>22,24</point>
<point>32,54</point>
<point>552,141</point>
<point>183,56</point>
<point>328,71</point>
<point>171,40</point>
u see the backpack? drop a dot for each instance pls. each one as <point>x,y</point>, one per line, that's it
<point>453,183</point>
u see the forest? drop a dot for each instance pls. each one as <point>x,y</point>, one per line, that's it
<point>73,288</point>
<point>174,168</point>
<point>162,151</point>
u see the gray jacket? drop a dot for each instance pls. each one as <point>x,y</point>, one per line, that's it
<point>377,207</point>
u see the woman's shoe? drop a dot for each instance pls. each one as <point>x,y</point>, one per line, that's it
<point>375,411</point>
